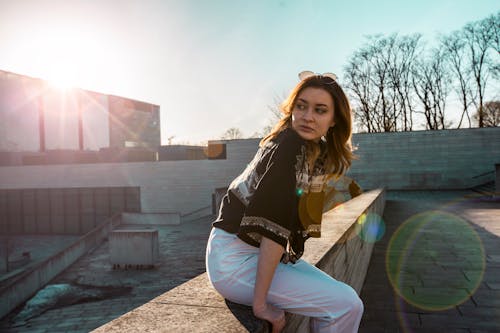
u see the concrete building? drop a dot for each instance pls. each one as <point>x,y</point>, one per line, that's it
<point>37,117</point>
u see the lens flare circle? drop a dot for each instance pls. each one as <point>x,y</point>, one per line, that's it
<point>370,227</point>
<point>435,260</point>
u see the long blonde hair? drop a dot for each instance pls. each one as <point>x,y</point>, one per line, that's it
<point>338,139</point>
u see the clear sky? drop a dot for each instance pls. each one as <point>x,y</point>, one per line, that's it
<point>209,64</point>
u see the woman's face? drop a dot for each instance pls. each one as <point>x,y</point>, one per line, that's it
<point>313,114</point>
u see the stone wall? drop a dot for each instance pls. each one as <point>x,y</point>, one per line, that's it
<point>24,285</point>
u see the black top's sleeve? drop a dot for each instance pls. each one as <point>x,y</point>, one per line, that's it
<point>272,207</point>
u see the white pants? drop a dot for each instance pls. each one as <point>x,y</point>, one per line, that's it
<point>296,288</point>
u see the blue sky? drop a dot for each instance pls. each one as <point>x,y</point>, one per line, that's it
<point>210,65</point>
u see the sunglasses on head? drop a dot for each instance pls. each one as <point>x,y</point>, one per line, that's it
<point>307,74</point>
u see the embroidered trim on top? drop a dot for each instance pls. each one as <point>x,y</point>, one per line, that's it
<point>257,221</point>
<point>255,236</point>
<point>314,230</point>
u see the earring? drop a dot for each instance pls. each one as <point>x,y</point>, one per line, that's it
<point>329,134</point>
<point>324,138</point>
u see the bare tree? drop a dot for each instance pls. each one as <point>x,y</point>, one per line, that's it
<point>493,22</point>
<point>431,81</point>
<point>473,54</point>
<point>479,39</point>
<point>276,115</point>
<point>378,76</point>
<point>404,55</point>
<point>358,74</point>
<point>379,60</point>
<point>275,108</point>
<point>232,133</point>
<point>386,77</point>
<point>491,114</point>
<point>367,77</point>
<point>454,47</point>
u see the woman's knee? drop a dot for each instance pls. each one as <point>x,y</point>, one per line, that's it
<point>353,303</point>
<point>343,300</point>
<point>357,306</point>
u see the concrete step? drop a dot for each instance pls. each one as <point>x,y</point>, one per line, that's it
<point>486,189</point>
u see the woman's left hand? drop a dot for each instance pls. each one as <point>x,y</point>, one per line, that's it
<point>273,315</point>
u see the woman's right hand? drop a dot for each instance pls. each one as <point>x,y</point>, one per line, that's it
<point>269,257</point>
<point>272,314</point>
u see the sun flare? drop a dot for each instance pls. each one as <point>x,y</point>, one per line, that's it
<point>62,77</point>
<point>64,56</point>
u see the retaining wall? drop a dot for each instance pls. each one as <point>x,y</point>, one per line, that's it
<point>437,160</point>
<point>26,284</point>
<point>69,211</point>
<point>343,251</point>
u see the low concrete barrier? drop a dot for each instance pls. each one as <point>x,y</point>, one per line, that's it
<point>151,218</point>
<point>26,284</point>
<point>343,251</point>
<point>133,248</point>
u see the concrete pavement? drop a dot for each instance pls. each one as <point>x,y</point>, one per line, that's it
<point>182,257</point>
<point>437,269</point>
<point>447,274</point>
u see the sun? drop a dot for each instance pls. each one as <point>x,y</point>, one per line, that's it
<point>62,76</point>
<point>62,62</point>
<point>65,56</point>
<point>71,54</point>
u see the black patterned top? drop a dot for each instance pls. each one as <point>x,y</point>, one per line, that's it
<point>276,196</point>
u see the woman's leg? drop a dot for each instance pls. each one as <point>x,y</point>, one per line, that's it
<point>299,288</point>
<point>304,289</point>
<point>231,266</point>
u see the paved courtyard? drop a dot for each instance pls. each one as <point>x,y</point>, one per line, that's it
<point>437,269</point>
<point>103,293</point>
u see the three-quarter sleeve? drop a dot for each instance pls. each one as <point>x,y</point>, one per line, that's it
<point>270,210</point>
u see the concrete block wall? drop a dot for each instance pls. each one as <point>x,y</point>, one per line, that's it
<point>166,186</point>
<point>19,289</point>
<point>170,186</point>
<point>448,159</point>
<point>63,210</point>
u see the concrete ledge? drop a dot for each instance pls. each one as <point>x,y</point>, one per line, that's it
<point>151,218</point>
<point>196,307</point>
<point>26,284</point>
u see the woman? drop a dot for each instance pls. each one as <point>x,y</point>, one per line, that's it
<point>276,204</point>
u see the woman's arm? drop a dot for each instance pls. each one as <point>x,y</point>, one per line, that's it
<point>269,256</point>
